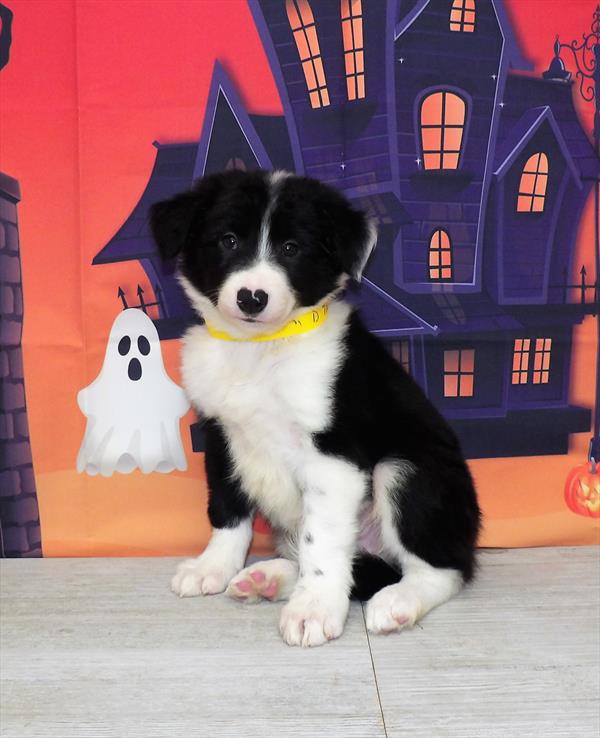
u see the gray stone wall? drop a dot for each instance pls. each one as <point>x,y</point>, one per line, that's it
<point>19,515</point>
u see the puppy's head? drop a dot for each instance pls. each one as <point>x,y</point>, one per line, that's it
<point>255,248</point>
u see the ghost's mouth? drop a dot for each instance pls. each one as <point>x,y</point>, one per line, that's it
<point>134,370</point>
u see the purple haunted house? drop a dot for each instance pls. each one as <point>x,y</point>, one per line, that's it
<point>476,173</point>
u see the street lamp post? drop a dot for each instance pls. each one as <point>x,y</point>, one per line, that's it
<point>586,57</point>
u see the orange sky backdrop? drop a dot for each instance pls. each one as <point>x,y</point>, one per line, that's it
<point>89,86</point>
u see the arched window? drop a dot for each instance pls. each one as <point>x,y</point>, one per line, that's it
<point>442,119</point>
<point>302,23</point>
<point>532,187</point>
<point>440,257</point>
<point>354,54</point>
<point>462,16</point>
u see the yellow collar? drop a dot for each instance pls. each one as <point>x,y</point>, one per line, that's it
<point>303,323</point>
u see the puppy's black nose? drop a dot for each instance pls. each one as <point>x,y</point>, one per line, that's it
<point>252,303</point>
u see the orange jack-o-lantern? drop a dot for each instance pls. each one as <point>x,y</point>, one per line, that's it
<point>582,490</point>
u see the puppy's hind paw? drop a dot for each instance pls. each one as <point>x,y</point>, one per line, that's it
<point>391,609</point>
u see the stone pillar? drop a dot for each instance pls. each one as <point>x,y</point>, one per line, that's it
<point>19,516</point>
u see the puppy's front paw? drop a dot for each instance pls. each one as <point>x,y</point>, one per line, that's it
<point>202,575</point>
<point>312,618</point>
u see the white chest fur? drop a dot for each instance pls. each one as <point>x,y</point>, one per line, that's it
<point>270,398</point>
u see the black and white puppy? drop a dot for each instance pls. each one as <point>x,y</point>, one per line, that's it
<point>320,430</point>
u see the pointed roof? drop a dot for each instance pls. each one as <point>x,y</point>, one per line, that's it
<point>273,132</point>
<point>227,131</point>
<point>226,124</point>
<point>516,57</point>
<point>522,132</point>
<point>453,312</point>
<point>171,174</point>
<point>523,93</point>
<point>384,315</point>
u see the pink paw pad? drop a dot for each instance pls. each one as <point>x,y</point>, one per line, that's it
<point>270,590</point>
<point>256,585</point>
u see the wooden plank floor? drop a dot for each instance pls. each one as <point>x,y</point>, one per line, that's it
<point>100,647</point>
<point>516,656</point>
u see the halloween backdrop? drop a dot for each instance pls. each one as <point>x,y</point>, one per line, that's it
<point>455,123</point>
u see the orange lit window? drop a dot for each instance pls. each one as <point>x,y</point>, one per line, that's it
<point>354,53</point>
<point>462,16</point>
<point>532,187</point>
<point>303,26</point>
<point>440,256</point>
<point>540,373</point>
<point>520,360</point>
<point>459,373</point>
<point>442,125</point>
<point>400,352</point>
<point>541,360</point>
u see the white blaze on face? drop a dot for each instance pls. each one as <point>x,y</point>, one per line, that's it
<point>132,407</point>
<point>264,276</point>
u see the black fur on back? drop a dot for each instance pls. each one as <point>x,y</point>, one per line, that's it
<point>381,413</point>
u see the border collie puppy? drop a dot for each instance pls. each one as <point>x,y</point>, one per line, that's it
<point>309,420</point>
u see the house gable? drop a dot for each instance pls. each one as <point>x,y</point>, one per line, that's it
<point>520,135</point>
<point>229,138</point>
<point>409,11</point>
<point>527,223</point>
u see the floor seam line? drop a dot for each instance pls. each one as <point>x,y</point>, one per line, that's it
<point>362,608</point>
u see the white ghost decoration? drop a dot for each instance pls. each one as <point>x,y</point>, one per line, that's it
<point>133,407</point>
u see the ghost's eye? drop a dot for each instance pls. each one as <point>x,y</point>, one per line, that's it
<point>124,345</point>
<point>144,345</point>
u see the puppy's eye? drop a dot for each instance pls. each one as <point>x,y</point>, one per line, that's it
<point>229,241</point>
<point>289,248</point>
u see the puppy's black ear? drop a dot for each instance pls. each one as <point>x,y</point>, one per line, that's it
<point>354,234</point>
<point>170,222</point>
<point>357,241</point>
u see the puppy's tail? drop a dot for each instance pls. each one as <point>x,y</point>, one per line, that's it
<point>370,574</point>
